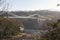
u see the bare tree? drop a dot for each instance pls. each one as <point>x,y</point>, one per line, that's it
<point>4,6</point>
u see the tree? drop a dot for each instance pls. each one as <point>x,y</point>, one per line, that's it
<point>53,30</point>
<point>9,27</point>
<point>4,6</point>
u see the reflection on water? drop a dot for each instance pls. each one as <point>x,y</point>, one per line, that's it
<point>35,31</point>
<point>32,31</point>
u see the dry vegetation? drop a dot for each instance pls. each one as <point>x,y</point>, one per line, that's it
<point>9,27</point>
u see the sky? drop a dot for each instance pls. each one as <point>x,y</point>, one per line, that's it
<point>26,5</point>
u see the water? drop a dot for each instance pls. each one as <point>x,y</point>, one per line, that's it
<point>32,31</point>
<point>35,31</point>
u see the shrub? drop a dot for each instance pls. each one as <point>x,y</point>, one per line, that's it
<point>9,27</point>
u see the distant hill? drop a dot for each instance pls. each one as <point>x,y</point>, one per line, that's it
<point>47,13</point>
<point>33,23</point>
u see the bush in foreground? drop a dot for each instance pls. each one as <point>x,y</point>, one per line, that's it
<point>9,27</point>
<point>53,31</point>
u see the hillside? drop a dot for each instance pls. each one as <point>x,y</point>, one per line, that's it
<point>54,14</point>
<point>33,23</point>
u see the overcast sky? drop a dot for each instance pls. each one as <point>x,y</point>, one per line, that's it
<point>34,5</point>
